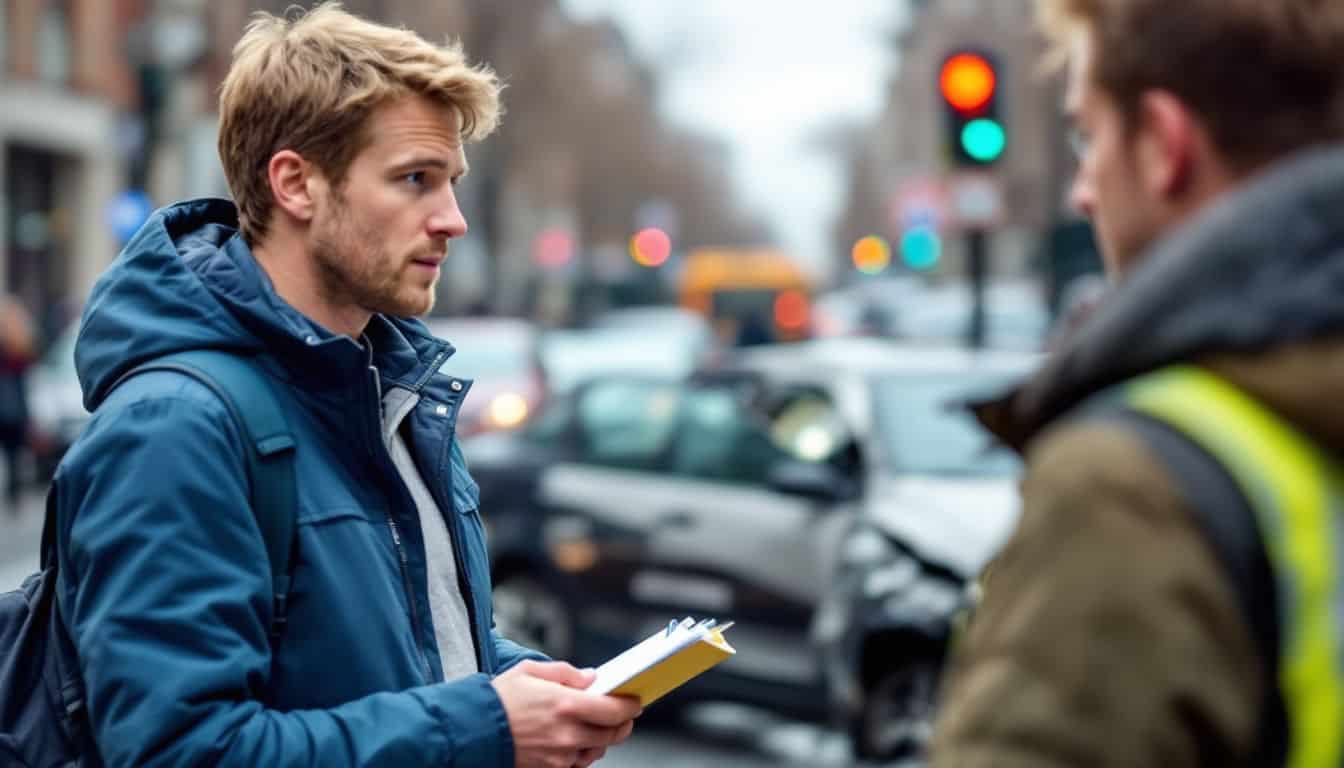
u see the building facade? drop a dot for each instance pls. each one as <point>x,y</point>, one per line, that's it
<point>63,95</point>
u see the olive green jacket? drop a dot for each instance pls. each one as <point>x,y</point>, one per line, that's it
<point>1109,633</point>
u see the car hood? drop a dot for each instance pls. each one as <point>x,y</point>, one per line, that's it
<point>958,522</point>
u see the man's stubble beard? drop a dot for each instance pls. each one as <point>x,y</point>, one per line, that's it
<point>354,268</point>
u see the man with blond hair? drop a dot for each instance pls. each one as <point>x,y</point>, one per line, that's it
<point>342,141</point>
<point>1172,595</point>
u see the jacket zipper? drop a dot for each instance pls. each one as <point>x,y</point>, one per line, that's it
<point>410,596</point>
<point>403,561</point>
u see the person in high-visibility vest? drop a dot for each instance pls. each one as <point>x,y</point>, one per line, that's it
<point>1173,594</point>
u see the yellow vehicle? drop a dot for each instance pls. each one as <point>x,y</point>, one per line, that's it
<point>752,296</point>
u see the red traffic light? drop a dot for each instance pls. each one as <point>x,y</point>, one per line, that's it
<point>650,247</point>
<point>967,81</point>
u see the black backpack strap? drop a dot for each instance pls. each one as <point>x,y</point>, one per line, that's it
<point>243,388</point>
<point>1227,520</point>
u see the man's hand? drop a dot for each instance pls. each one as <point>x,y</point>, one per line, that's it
<point>557,724</point>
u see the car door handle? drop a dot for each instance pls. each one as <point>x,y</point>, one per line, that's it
<point>678,518</point>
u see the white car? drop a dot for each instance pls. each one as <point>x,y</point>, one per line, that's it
<point>938,499</point>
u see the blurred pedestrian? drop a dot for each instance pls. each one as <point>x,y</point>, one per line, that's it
<point>17,350</point>
<point>342,141</point>
<point>1172,594</point>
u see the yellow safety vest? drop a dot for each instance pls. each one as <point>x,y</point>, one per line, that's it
<point>1296,491</point>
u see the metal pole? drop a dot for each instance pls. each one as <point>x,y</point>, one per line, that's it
<point>975,252</point>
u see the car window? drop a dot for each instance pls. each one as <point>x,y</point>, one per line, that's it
<point>626,424</point>
<point>719,438</point>
<point>926,428</point>
<point>806,423</point>
<point>807,426</point>
<point>547,428</point>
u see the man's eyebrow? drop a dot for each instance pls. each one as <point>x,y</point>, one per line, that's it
<point>425,162</point>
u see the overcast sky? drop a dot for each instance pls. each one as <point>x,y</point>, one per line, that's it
<point>765,75</point>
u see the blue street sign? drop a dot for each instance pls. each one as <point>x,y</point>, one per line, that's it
<point>127,212</point>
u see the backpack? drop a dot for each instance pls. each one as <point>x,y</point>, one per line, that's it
<point>43,722</point>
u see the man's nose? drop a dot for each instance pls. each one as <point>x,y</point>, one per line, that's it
<point>448,221</point>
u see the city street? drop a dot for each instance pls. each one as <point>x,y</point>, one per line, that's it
<point>712,735</point>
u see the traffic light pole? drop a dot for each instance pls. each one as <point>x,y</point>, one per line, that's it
<point>977,263</point>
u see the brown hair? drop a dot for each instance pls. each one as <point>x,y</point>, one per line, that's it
<point>310,83</point>
<point>1265,76</point>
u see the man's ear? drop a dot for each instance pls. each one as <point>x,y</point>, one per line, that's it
<point>291,179</point>
<point>1169,143</point>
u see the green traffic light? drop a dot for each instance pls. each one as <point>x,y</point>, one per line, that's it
<point>983,140</point>
<point>920,248</point>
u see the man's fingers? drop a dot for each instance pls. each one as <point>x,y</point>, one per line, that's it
<point>589,737</point>
<point>607,711</point>
<point>559,672</point>
<point>589,756</point>
<point>623,732</point>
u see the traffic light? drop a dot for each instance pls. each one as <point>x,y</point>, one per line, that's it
<point>921,248</point>
<point>974,129</point>
<point>871,255</point>
<point>650,247</point>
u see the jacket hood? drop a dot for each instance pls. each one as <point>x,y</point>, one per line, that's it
<point>187,280</point>
<point>1250,288</point>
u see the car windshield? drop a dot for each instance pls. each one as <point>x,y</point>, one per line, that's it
<point>925,429</point>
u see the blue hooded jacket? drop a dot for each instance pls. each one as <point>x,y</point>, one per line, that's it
<point>165,586</point>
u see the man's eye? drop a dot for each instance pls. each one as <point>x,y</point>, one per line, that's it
<point>414,178</point>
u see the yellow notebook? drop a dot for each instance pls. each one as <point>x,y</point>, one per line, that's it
<point>664,661</point>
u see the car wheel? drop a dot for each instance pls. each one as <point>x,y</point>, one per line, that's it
<point>897,718</point>
<point>529,613</point>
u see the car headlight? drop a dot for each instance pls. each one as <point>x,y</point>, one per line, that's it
<point>867,547</point>
<point>507,410</point>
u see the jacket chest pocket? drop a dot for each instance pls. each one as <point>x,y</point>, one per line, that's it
<point>466,506</point>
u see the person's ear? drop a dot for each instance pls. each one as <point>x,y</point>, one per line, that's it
<point>293,184</point>
<point>1168,143</point>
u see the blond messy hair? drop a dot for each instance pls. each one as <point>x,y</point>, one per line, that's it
<point>1263,75</point>
<point>310,83</point>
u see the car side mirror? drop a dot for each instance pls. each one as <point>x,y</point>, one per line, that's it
<point>811,480</point>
